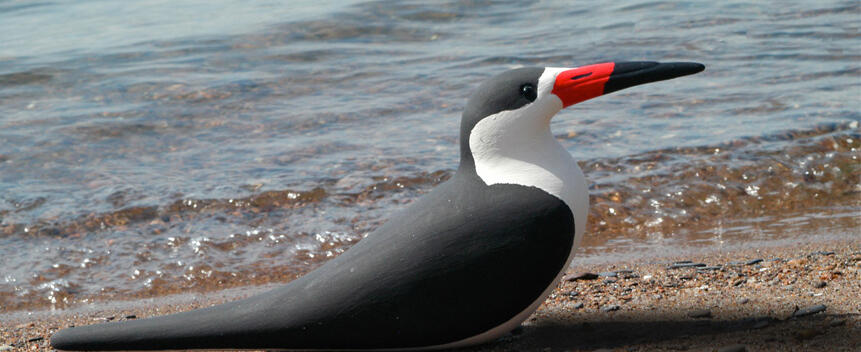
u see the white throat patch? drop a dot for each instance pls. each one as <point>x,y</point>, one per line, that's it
<point>517,147</point>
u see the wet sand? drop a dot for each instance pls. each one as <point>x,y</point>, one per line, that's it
<point>802,297</point>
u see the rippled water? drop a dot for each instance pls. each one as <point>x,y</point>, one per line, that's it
<point>157,147</point>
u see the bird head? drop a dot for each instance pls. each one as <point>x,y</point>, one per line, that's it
<point>512,109</point>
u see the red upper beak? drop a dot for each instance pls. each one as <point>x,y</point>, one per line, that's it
<point>587,82</point>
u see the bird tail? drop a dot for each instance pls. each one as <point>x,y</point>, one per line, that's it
<point>222,326</point>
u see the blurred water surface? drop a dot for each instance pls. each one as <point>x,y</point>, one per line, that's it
<point>154,147</point>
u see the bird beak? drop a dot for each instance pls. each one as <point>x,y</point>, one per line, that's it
<point>587,82</point>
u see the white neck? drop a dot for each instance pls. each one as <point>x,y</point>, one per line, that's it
<point>507,150</point>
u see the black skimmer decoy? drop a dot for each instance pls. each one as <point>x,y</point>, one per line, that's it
<point>464,264</point>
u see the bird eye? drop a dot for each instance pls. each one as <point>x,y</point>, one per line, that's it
<point>528,92</point>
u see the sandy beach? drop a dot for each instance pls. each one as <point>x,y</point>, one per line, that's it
<point>802,297</point>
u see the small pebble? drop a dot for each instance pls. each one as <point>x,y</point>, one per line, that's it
<point>820,284</point>
<point>608,274</point>
<point>580,276</point>
<point>683,262</point>
<point>738,282</point>
<point>657,296</point>
<point>5,348</point>
<point>733,348</point>
<point>700,313</point>
<point>573,294</point>
<point>132,316</point>
<point>611,280</point>
<point>743,301</point>
<point>35,339</point>
<point>710,268</point>
<point>823,253</point>
<point>686,265</point>
<point>577,305</point>
<point>624,271</point>
<point>754,261</point>
<point>610,308</point>
<point>809,310</point>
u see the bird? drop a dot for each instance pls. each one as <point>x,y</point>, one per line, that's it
<point>462,265</point>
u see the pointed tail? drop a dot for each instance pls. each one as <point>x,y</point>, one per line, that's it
<point>230,325</point>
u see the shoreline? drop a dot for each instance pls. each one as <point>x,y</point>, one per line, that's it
<point>720,299</point>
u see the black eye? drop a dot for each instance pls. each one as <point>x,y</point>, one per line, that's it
<point>528,91</point>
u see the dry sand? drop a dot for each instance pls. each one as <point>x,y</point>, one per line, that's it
<point>734,303</point>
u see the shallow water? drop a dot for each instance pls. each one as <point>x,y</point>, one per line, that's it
<point>159,148</point>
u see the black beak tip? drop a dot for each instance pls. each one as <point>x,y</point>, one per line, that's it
<point>658,70</point>
<point>629,74</point>
<point>689,68</point>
